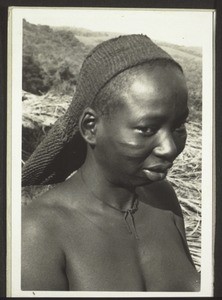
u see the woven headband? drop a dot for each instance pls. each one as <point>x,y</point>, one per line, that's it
<point>63,150</point>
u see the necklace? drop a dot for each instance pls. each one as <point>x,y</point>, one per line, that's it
<point>128,212</point>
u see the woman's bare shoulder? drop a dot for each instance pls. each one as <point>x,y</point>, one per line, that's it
<point>47,210</point>
<point>52,212</point>
<point>43,257</point>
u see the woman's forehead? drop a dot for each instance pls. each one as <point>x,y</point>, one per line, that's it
<point>156,92</point>
<point>160,82</point>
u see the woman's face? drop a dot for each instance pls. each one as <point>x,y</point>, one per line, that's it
<point>140,141</point>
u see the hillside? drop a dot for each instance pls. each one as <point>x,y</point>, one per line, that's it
<point>52,58</point>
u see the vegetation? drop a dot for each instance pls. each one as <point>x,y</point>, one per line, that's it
<point>51,59</point>
<point>185,176</point>
<point>51,62</point>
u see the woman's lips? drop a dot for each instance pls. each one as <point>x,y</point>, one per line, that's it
<point>154,175</point>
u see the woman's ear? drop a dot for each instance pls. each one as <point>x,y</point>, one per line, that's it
<point>87,125</point>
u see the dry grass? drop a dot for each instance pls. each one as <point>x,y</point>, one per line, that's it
<point>41,112</point>
<point>185,177</point>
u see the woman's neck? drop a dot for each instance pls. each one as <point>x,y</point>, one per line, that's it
<point>101,188</point>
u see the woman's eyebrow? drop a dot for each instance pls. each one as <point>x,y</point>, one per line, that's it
<point>152,117</point>
<point>158,117</point>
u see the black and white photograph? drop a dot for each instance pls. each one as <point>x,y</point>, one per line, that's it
<point>111,114</point>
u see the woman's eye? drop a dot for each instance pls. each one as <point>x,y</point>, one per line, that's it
<point>147,131</point>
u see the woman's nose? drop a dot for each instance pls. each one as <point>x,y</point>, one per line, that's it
<point>166,147</point>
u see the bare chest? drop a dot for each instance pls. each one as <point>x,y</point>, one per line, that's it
<point>143,253</point>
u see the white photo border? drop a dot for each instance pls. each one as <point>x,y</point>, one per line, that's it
<point>14,146</point>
